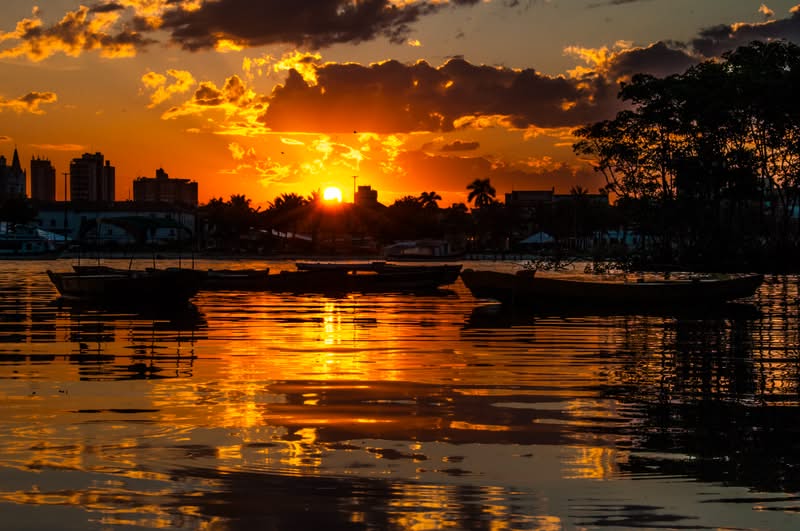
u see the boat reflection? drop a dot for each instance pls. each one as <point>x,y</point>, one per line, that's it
<point>496,315</point>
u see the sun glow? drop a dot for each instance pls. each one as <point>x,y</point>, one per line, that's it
<point>333,194</point>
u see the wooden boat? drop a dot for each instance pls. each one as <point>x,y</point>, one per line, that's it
<point>365,277</point>
<point>528,289</point>
<point>337,277</point>
<point>157,287</point>
<point>236,279</point>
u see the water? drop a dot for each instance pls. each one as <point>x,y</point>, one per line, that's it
<point>273,411</point>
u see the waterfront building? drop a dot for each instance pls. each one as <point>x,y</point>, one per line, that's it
<point>91,178</point>
<point>12,178</point>
<point>163,189</point>
<point>120,223</point>
<point>43,180</point>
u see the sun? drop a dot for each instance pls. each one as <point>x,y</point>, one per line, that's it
<point>332,193</point>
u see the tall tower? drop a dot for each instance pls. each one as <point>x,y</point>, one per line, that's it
<point>43,180</point>
<point>92,178</point>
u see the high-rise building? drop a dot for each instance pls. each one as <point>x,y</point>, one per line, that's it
<point>91,178</point>
<point>43,180</point>
<point>162,189</point>
<point>366,196</point>
<point>12,178</point>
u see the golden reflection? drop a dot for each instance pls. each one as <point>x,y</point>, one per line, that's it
<point>300,451</point>
<point>459,425</point>
<point>591,463</point>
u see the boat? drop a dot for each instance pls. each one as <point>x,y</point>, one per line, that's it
<point>370,276</point>
<point>341,277</point>
<point>156,287</point>
<point>236,279</point>
<point>526,288</point>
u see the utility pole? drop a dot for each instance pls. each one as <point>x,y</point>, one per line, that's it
<point>65,205</point>
<point>354,188</point>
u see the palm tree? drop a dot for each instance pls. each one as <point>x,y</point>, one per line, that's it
<point>286,210</point>
<point>482,193</point>
<point>429,200</point>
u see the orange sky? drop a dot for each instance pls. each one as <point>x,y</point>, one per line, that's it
<point>258,98</point>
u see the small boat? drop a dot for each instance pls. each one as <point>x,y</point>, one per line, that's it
<point>236,279</point>
<point>156,287</point>
<point>368,276</point>
<point>525,288</point>
<point>340,277</point>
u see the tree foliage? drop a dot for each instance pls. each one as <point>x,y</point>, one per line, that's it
<point>707,160</point>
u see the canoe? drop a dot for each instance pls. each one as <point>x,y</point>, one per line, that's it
<point>123,287</point>
<point>536,290</point>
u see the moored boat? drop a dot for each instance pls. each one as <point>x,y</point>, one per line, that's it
<point>236,279</point>
<point>340,277</point>
<point>156,287</point>
<point>524,288</point>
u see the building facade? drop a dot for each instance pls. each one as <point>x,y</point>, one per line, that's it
<point>162,189</point>
<point>120,223</point>
<point>92,178</point>
<point>43,180</point>
<point>366,196</point>
<point>12,178</point>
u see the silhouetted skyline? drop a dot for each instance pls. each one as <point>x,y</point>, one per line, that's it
<point>248,97</point>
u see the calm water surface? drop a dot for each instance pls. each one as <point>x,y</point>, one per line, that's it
<point>272,411</point>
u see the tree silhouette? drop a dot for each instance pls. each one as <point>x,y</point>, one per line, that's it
<point>697,153</point>
<point>481,193</point>
<point>429,200</point>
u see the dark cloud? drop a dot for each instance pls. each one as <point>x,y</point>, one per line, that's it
<point>106,8</point>
<point>458,145</point>
<point>392,97</point>
<point>716,40</point>
<point>310,23</point>
<point>659,59</point>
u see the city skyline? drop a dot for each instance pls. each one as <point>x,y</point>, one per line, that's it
<point>409,96</point>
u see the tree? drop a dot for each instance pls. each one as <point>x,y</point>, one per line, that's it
<point>482,193</point>
<point>698,149</point>
<point>429,200</point>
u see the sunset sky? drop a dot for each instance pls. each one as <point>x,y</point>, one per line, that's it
<point>263,97</point>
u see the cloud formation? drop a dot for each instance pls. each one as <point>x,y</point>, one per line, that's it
<point>392,97</point>
<point>121,28</point>
<point>83,29</point>
<point>29,102</point>
<point>161,90</point>
<point>458,145</point>
<point>716,40</point>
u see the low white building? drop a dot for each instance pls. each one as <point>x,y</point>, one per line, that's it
<point>120,223</point>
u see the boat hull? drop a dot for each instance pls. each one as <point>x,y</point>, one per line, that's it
<point>341,277</point>
<point>121,287</point>
<point>524,289</point>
